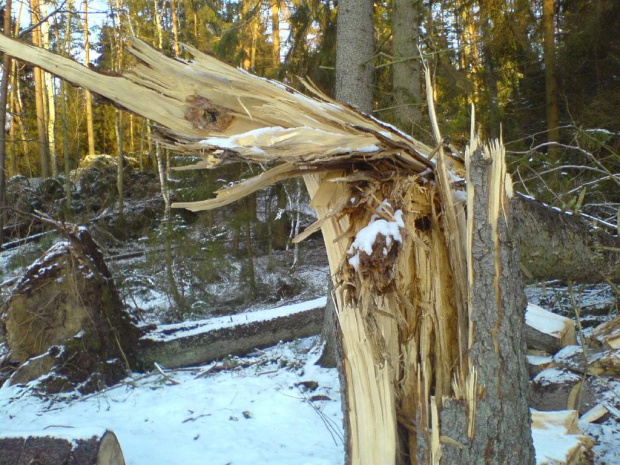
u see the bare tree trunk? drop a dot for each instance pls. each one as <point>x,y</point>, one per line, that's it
<point>4,90</point>
<point>49,98</point>
<point>354,66</point>
<point>35,15</point>
<point>175,28</point>
<point>406,75</point>
<point>275,34</point>
<point>89,99</point>
<point>551,85</point>
<point>65,146</point>
<point>492,420</point>
<point>158,26</point>
<point>119,163</point>
<point>18,110</point>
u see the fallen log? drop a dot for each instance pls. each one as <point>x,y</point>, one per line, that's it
<point>561,389</point>
<point>26,240</point>
<point>46,448</point>
<point>606,335</point>
<point>560,245</point>
<point>196,343</point>
<point>547,331</point>
<point>595,362</point>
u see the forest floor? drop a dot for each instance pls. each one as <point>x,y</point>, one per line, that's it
<point>272,407</point>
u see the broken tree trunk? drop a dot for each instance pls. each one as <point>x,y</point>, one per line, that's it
<point>488,417</point>
<point>432,328</point>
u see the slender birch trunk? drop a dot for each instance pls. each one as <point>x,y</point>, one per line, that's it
<point>275,34</point>
<point>175,28</point>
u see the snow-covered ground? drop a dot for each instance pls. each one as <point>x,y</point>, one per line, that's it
<point>273,407</point>
<point>266,410</point>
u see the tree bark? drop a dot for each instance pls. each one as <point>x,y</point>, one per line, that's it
<point>406,75</point>
<point>492,422</point>
<point>551,85</point>
<point>4,90</point>
<point>354,67</point>
<point>89,99</point>
<point>561,245</point>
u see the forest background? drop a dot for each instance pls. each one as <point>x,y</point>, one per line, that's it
<point>544,73</point>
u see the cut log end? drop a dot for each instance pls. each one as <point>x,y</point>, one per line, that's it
<point>103,449</point>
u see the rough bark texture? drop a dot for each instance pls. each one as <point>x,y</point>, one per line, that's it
<point>501,419</point>
<point>551,85</point>
<point>354,66</point>
<point>330,335</point>
<point>562,246</point>
<point>49,450</point>
<point>406,76</point>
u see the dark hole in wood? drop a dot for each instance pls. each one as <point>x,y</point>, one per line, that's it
<point>423,223</point>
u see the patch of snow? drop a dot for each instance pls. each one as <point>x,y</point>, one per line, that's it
<point>543,320</point>
<point>552,376</point>
<point>606,450</point>
<point>538,359</point>
<point>67,432</point>
<point>192,328</point>
<point>366,237</point>
<point>255,415</point>
<point>567,353</point>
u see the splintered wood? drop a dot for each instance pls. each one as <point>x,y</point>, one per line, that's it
<point>397,230</point>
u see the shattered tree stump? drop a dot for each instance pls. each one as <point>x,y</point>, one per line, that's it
<point>65,318</point>
<point>46,449</point>
<point>410,338</point>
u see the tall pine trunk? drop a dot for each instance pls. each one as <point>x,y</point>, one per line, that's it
<point>551,85</point>
<point>87,95</point>
<point>406,75</point>
<point>4,91</point>
<point>354,67</point>
<point>35,15</point>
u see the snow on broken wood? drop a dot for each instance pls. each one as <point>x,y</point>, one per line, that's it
<point>427,329</point>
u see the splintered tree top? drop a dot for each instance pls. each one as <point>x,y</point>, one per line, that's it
<point>225,114</point>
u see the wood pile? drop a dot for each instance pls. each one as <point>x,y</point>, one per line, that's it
<point>569,380</point>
